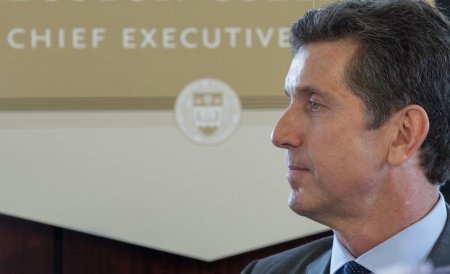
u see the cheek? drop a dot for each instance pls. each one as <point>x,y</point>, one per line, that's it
<point>340,154</point>
<point>333,144</point>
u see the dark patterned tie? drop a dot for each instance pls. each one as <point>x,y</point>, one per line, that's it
<point>352,267</point>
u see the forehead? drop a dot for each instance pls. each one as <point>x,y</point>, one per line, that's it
<point>322,66</point>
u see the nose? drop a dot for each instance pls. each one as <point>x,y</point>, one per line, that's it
<point>287,133</point>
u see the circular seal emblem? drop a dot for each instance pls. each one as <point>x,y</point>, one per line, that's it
<point>207,111</point>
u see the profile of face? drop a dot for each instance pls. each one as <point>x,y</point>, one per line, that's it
<point>335,164</point>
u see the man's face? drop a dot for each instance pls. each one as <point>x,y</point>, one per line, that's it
<point>335,165</point>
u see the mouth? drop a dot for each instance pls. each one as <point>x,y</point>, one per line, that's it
<point>297,168</point>
<point>296,175</point>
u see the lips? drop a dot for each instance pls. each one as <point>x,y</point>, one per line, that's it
<point>296,162</point>
<point>297,168</point>
<point>296,174</point>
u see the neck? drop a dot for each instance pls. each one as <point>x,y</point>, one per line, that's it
<point>386,215</point>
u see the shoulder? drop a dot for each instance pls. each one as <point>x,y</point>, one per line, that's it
<point>295,260</point>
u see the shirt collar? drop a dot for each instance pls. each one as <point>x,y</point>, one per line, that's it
<point>399,249</point>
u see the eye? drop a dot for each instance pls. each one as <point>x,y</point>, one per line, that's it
<point>313,105</point>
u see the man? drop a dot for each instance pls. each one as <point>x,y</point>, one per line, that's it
<point>367,135</point>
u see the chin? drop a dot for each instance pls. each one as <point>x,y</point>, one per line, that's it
<point>296,206</point>
<point>302,207</point>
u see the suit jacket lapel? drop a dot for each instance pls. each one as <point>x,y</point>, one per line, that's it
<point>321,265</point>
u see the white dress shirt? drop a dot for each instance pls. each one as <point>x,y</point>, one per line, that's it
<point>410,246</point>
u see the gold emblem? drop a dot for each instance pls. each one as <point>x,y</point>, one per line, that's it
<point>207,111</point>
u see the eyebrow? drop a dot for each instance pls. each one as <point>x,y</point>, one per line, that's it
<point>308,90</point>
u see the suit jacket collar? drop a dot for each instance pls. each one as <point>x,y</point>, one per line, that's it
<point>439,255</point>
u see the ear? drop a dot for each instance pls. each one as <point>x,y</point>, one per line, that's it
<point>410,128</point>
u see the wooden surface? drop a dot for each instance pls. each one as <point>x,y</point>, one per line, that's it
<point>26,247</point>
<point>31,248</point>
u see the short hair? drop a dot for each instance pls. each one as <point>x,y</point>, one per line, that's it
<point>403,58</point>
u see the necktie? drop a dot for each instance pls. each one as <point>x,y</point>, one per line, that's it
<point>352,267</point>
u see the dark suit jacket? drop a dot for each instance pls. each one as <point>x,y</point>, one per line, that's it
<point>314,258</point>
